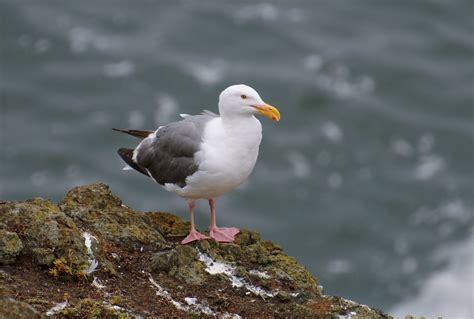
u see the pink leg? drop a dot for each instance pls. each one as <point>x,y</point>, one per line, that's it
<point>220,234</point>
<point>193,234</point>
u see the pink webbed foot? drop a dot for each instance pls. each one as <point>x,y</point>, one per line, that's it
<point>223,234</point>
<point>194,235</point>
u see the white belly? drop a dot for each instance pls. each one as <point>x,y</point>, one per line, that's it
<point>227,157</point>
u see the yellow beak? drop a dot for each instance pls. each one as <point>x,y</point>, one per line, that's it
<point>269,111</point>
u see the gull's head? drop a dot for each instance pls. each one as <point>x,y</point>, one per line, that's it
<point>242,100</point>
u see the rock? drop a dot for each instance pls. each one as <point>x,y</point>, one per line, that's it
<point>43,256</point>
<point>12,309</point>
<point>47,233</point>
<point>131,264</point>
<point>180,263</point>
<point>10,246</point>
<point>102,212</point>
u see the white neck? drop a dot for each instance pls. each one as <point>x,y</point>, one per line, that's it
<point>238,120</point>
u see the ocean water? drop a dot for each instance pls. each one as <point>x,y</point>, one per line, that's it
<point>368,177</point>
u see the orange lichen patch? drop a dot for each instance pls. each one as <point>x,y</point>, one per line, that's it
<point>169,225</point>
<point>60,266</point>
<point>319,306</point>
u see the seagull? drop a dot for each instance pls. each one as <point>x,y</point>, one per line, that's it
<point>204,156</point>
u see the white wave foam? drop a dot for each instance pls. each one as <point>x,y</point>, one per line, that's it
<point>167,108</point>
<point>332,131</point>
<point>446,217</point>
<point>119,69</point>
<point>402,147</point>
<point>429,166</point>
<point>267,12</point>
<point>83,39</point>
<point>299,164</point>
<point>261,11</point>
<point>339,80</point>
<point>447,293</point>
<point>426,143</point>
<point>207,73</point>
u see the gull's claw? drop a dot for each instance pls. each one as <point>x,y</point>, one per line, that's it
<point>194,235</point>
<point>223,234</point>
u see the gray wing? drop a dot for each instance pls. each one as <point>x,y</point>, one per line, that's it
<point>168,156</point>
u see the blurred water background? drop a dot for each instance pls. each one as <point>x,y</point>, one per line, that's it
<point>367,179</point>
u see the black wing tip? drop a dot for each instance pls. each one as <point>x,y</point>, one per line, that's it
<point>127,155</point>
<point>137,133</point>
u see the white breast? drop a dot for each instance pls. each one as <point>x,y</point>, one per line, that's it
<point>227,157</point>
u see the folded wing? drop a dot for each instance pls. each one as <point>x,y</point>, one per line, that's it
<point>167,155</point>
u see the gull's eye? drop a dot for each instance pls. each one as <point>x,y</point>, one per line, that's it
<point>243,96</point>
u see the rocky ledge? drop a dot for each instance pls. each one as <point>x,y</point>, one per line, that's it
<point>90,256</point>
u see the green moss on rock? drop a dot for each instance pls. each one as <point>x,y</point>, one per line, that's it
<point>168,224</point>
<point>43,256</point>
<point>92,309</point>
<point>95,207</point>
<point>180,263</point>
<point>46,232</point>
<point>10,246</point>
<point>89,197</point>
<point>13,309</point>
